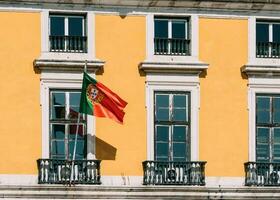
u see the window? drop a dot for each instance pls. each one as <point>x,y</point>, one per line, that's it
<point>172,126</point>
<point>268,128</point>
<point>171,36</point>
<point>267,39</point>
<point>63,125</point>
<point>68,33</point>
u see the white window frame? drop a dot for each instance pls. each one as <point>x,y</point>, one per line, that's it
<point>169,22</point>
<point>174,83</point>
<point>66,24</point>
<point>45,30</point>
<point>253,60</point>
<point>62,81</point>
<point>193,36</point>
<point>256,86</point>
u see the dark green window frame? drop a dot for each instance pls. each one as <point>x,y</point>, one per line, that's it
<point>63,117</point>
<point>172,126</point>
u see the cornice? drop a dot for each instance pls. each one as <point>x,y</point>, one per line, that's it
<point>173,67</point>
<point>252,70</point>
<point>67,65</point>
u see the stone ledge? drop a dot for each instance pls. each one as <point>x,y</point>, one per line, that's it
<point>261,70</point>
<point>173,67</point>
<point>67,65</point>
<point>144,192</point>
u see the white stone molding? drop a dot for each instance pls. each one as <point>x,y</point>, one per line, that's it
<point>171,63</point>
<point>67,61</point>
<point>54,80</point>
<point>253,61</point>
<point>256,86</point>
<point>165,82</point>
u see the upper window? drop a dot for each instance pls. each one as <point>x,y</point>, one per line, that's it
<point>68,33</point>
<point>267,39</point>
<point>268,128</point>
<point>172,126</point>
<point>171,36</point>
<point>63,125</point>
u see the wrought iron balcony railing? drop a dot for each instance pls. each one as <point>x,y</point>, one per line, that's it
<point>173,173</point>
<point>268,50</point>
<point>167,46</point>
<point>75,44</point>
<point>53,171</point>
<point>262,174</point>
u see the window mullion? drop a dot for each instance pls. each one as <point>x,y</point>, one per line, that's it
<point>66,29</point>
<point>169,35</point>
<point>270,31</point>
<point>67,111</point>
<point>170,127</point>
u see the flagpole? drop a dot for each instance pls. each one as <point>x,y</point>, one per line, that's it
<point>76,137</point>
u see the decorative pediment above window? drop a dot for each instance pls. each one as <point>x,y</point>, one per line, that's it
<point>261,70</point>
<point>173,67</point>
<point>67,65</point>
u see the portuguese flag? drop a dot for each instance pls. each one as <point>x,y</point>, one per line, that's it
<point>100,101</point>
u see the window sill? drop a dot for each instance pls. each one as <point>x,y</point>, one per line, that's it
<point>67,62</point>
<point>262,67</point>
<point>173,64</point>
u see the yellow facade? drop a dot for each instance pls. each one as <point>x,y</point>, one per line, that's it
<point>20,117</point>
<point>223,125</point>
<point>121,42</point>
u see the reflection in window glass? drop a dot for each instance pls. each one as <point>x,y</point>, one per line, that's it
<point>64,106</point>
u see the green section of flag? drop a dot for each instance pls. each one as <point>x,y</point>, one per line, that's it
<point>85,104</point>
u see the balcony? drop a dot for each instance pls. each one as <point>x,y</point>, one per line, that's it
<point>53,171</point>
<point>267,50</point>
<point>69,44</point>
<point>262,174</point>
<point>177,47</point>
<point>173,173</point>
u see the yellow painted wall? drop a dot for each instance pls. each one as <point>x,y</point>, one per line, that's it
<point>121,43</point>
<point>20,118</point>
<point>223,103</point>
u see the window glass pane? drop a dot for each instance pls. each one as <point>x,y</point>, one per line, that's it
<point>262,149</point>
<point>180,101</point>
<point>276,144</point>
<point>162,107</point>
<point>263,110</point>
<point>79,148</point>
<point>57,26</point>
<point>72,131</point>
<point>179,133</point>
<point>74,105</point>
<point>179,150</point>
<point>58,98</point>
<point>162,150</point>
<point>178,29</point>
<point>276,33</point>
<point>162,133</point>
<point>58,105</point>
<point>75,26</point>
<point>58,148</point>
<point>58,131</point>
<point>161,28</point>
<point>276,110</point>
<point>262,34</point>
<point>180,108</point>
